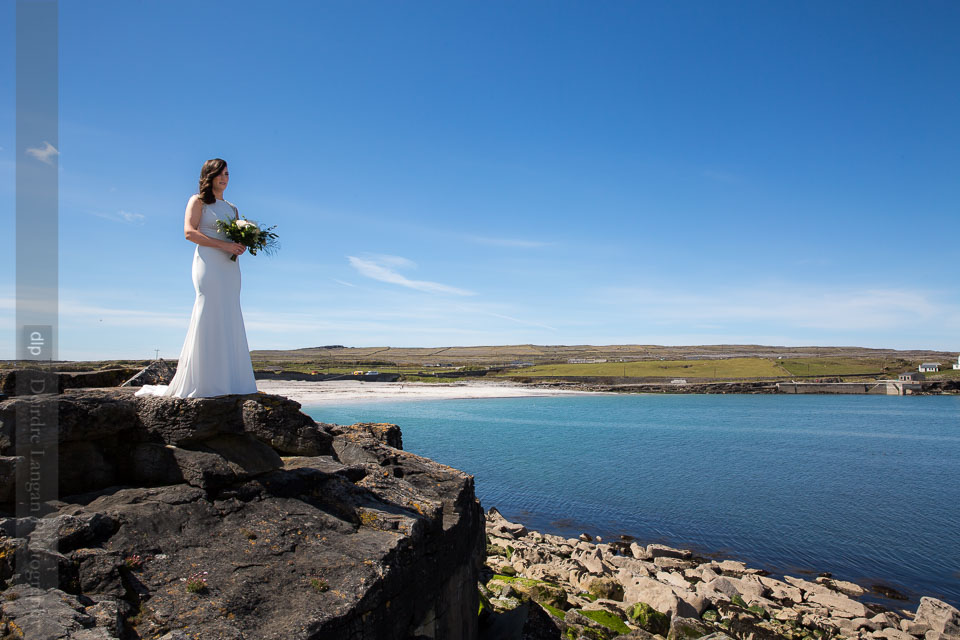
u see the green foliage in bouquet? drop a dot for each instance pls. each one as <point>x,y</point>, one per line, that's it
<point>251,235</point>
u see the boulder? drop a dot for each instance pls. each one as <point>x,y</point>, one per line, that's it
<point>661,597</point>
<point>733,568</point>
<point>687,629</point>
<point>781,590</point>
<point>663,551</point>
<point>806,586</point>
<point>671,563</point>
<point>649,619</point>
<point>673,579</point>
<point>844,587</point>
<point>634,567</point>
<point>157,372</point>
<point>500,526</point>
<point>607,588</point>
<point>913,627</point>
<point>839,605</point>
<point>640,553</point>
<point>939,616</point>
<point>747,589</point>
<point>50,614</point>
<point>592,560</point>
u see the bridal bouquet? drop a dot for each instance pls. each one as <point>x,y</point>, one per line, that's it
<point>250,234</point>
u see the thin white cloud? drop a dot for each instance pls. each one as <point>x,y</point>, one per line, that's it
<point>845,310</point>
<point>398,262</point>
<point>122,216</point>
<point>45,154</point>
<point>343,282</point>
<point>379,268</point>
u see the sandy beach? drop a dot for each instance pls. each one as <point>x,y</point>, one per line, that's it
<point>349,391</point>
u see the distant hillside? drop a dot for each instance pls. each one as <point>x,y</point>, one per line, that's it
<point>558,354</point>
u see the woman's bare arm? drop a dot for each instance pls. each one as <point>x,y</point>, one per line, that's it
<point>191,231</point>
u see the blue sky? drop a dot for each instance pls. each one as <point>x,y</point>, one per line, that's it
<point>465,173</point>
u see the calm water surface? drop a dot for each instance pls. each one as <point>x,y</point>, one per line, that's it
<point>865,487</point>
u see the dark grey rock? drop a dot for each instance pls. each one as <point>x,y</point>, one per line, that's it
<point>687,628</point>
<point>157,372</point>
<point>373,543</point>
<point>48,614</point>
<point>32,380</point>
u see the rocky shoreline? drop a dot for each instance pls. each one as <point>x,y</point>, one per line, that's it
<point>546,586</point>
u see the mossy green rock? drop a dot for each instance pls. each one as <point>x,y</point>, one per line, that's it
<point>608,619</point>
<point>556,613</point>
<point>508,570</point>
<point>738,600</point>
<point>485,606</point>
<point>687,629</point>
<point>496,550</point>
<point>711,615</point>
<point>540,591</point>
<point>577,632</point>
<point>607,588</point>
<point>758,610</point>
<point>548,594</point>
<point>649,619</point>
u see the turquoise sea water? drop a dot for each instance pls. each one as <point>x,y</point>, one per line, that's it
<point>864,487</point>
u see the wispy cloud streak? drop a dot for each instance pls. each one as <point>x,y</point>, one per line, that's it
<point>868,309</point>
<point>380,268</point>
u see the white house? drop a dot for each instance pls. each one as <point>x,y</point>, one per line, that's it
<point>929,367</point>
<point>957,363</point>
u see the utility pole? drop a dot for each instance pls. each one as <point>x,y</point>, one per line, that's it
<point>156,354</point>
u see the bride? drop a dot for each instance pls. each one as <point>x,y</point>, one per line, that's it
<point>215,359</point>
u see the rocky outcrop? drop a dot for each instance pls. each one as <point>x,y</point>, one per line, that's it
<point>585,589</point>
<point>239,517</point>
<point>58,381</point>
<point>157,372</point>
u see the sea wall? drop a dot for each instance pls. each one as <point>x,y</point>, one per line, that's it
<point>883,388</point>
<point>237,517</point>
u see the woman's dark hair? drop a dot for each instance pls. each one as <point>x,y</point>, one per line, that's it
<point>211,169</point>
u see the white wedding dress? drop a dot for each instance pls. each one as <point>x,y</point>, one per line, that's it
<point>215,359</point>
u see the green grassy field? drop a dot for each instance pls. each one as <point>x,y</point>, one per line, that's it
<point>308,367</point>
<point>945,374</point>
<point>732,368</point>
<point>834,366</point>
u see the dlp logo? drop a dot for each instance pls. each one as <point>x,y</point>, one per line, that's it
<point>37,342</point>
